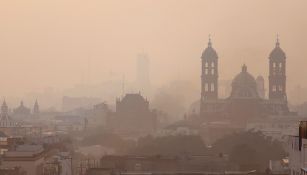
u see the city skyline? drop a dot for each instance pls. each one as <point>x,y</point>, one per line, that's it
<point>51,40</point>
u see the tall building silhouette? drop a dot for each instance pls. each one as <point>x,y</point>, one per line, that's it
<point>260,86</point>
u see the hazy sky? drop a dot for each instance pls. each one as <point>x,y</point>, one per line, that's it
<point>51,42</point>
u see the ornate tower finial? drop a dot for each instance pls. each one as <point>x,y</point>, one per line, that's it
<point>277,40</point>
<point>209,43</point>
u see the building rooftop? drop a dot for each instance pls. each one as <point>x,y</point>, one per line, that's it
<point>25,151</point>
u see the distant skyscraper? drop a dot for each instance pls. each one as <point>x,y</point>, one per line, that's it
<point>142,75</point>
<point>260,86</point>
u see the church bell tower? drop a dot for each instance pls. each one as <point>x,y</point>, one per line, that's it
<point>209,75</point>
<point>277,73</point>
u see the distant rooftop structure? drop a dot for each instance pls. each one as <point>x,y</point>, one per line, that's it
<point>5,119</point>
<point>132,116</point>
<point>132,101</point>
<point>36,108</point>
<point>25,151</point>
<point>12,127</point>
<point>22,110</point>
<point>28,157</point>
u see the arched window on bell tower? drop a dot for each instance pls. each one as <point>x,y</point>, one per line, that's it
<point>206,87</point>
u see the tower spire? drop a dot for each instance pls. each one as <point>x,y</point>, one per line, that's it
<point>36,108</point>
<point>209,43</point>
<point>277,40</point>
<point>4,108</point>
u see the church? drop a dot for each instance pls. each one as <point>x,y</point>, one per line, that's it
<point>246,101</point>
<point>133,116</point>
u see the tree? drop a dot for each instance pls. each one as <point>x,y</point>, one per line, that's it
<point>107,139</point>
<point>170,145</point>
<point>250,147</point>
<point>243,155</point>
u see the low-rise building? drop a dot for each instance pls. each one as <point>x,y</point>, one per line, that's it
<point>12,171</point>
<point>60,164</point>
<point>30,158</point>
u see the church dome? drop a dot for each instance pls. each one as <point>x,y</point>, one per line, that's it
<point>209,52</point>
<point>277,52</point>
<point>244,85</point>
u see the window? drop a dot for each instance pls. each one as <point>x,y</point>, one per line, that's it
<point>275,69</point>
<point>280,68</point>
<point>212,71</point>
<point>206,71</point>
<point>274,88</point>
<point>212,87</point>
<point>206,64</point>
<point>212,64</point>
<point>206,87</point>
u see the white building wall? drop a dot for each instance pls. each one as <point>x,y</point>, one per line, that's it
<point>297,158</point>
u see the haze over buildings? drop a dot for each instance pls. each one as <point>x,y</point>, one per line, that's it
<point>153,87</point>
<point>48,43</point>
